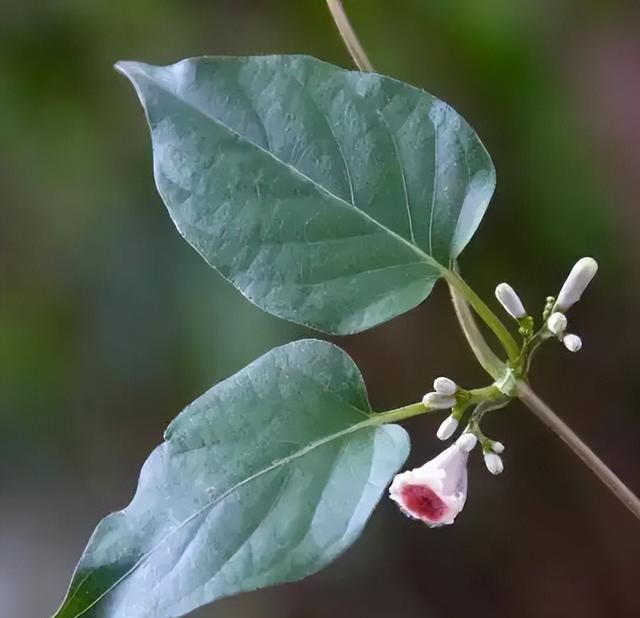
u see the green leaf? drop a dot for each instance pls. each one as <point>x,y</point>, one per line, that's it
<point>266,478</point>
<point>327,197</point>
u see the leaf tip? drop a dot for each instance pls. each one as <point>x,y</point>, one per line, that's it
<point>128,68</point>
<point>135,72</point>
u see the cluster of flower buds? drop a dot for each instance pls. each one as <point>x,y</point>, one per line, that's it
<point>436,492</point>
<point>444,397</point>
<point>557,324</point>
<point>571,292</point>
<point>556,321</point>
<point>491,453</point>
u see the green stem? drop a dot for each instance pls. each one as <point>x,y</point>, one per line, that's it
<point>480,348</point>
<point>489,393</point>
<point>485,314</point>
<point>476,395</point>
<point>399,414</point>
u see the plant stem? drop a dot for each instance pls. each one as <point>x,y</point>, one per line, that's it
<point>489,393</point>
<point>485,393</point>
<point>588,457</point>
<point>483,311</point>
<point>348,35</point>
<point>485,355</point>
<point>400,414</point>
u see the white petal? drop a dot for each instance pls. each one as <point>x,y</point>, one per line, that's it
<point>579,278</point>
<point>510,301</point>
<point>445,386</point>
<point>447,428</point>
<point>557,323</point>
<point>438,401</point>
<point>467,442</point>
<point>494,464</point>
<point>440,484</point>
<point>573,343</point>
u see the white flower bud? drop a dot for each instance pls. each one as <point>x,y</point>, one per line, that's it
<point>493,461</point>
<point>577,281</point>
<point>573,343</point>
<point>557,323</point>
<point>447,428</point>
<point>435,492</point>
<point>467,442</point>
<point>438,401</point>
<point>510,301</point>
<point>445,386</point>
<point>497,447</point>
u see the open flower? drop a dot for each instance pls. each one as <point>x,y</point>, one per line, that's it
<point>435,492</point>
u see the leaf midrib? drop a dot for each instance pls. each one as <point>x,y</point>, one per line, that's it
<point>120,66</point>
<point>371,421</point>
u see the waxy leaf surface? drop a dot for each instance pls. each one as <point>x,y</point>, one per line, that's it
<point>264,479</point>
<point>328,197</point>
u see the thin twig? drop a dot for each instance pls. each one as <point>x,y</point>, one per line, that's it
<point>588,457</point>
<point>348,35</point>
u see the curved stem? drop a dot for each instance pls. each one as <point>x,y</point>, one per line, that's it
<point>588,457</point>
<point>348,35</point>
<point>483,311</point>
<point>480,348</point>
<point>482,408</point>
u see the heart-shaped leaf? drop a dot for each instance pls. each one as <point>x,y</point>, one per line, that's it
<point>266,478</point>
<point>328,197</point>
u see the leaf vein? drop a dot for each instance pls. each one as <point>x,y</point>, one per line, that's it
<point>371,421</point>
<point>396,152</point>
<point>435,186</point>
<point>340,201</point>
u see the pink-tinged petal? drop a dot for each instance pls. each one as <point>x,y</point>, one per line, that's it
<point>423,503</point>
<point>435,492</point>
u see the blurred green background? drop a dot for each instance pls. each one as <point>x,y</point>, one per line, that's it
<point>110,323</point>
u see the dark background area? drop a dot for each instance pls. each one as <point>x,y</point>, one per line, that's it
<point>110,324</point>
